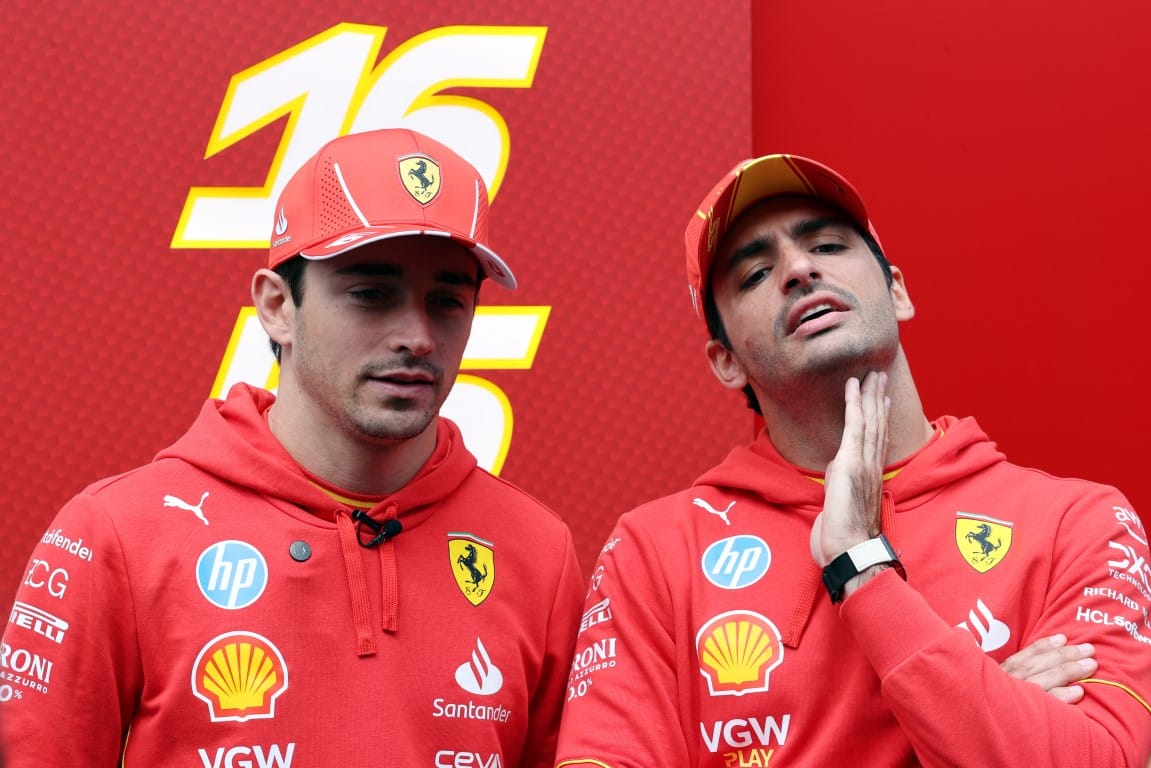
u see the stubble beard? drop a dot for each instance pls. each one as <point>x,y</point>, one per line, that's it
<point>819,372</point>
<point>355,411</point>
<point>393,419</point>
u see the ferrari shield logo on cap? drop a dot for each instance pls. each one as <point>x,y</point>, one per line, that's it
<point>473,565</point>
<point>421,177</point>
<point>983,541</point>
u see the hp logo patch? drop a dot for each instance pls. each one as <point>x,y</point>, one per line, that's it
<point>736,562</point>
<point>231,574</point>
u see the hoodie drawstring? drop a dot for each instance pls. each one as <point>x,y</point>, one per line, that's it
<point>389,579</point>
<point>887,518</point>
<point>811,588</point>
<point>357,583</point>
<point>352,552</point>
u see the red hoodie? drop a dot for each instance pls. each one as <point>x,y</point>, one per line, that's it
<point>708,638</point>
<point>214,609</point>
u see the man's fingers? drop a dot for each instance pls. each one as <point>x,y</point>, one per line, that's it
<point>1045,654</point>
<point>870,417</point>
<point>873,393</point>
<point>1070,694</point>
<point>1035,657</point>
<point>854,478</point>
<point>1053,665</point>
<point>852,418</point>
<point>1063,674</point>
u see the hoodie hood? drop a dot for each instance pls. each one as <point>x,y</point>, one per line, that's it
<point>231,439</point>
<point>961,449</point>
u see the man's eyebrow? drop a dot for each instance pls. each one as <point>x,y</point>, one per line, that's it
<point>371,269</point>
<point>818,224</point>
<point>466,279</point>
<point>386,269</point>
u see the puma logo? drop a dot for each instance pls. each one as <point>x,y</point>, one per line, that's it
<point>721,514</point>
<point>172,501</point>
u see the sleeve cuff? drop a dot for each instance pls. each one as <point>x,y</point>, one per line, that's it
<point>891,621</point>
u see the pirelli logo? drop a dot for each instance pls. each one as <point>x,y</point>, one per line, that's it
<point>41,622</point>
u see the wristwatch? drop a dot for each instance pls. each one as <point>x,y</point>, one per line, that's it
<point>855,561</point>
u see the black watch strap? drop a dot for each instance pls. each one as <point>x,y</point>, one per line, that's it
<point>855,561</point>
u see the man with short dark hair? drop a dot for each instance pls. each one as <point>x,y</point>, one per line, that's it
<point>860,585</point>
<point>321,577</point>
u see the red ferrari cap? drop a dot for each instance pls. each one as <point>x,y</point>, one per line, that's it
<point>370,186</point>
<point>749,182</point>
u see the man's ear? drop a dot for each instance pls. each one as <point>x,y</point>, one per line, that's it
<point>725,366</point>
<point>274,306</point>
<point>904,309</point>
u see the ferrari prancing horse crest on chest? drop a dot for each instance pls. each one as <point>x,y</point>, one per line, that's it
<point>983,541</point>
<point>473,565</point>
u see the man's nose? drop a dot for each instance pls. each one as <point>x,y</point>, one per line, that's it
<point>412,331</point>
<point>796,266</point>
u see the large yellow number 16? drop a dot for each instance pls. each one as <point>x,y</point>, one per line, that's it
<point>328,86</point>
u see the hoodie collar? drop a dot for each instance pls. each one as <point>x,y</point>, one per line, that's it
<point>230,440</point>
<point>961,449</point>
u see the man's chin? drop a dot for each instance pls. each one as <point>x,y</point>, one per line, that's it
<point>396,426</point>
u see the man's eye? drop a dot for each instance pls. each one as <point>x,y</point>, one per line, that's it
<point>755,277</point>
<point>450,302</point>
<point>829,248</point>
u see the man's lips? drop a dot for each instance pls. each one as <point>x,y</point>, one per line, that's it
<point>403,383</point>
<point>811,309</point>
<point>405,377</point>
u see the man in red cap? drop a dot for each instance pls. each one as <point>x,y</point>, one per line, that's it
<point>860,585</point>
<point>323,577</point>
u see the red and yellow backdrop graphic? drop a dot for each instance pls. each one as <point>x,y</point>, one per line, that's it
<point>1001,149</point>
<point>145,143</point>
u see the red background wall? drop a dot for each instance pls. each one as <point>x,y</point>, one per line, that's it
<point>999,146</point>
<point>1002,148</point>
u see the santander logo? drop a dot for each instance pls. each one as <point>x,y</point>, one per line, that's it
<point>480,676</point>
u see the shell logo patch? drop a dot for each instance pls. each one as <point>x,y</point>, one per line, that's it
<point>983,541</point>
<point>421,177</point>
<point>737,651</point>
<point>239,675</point>
<point>473,564</point>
